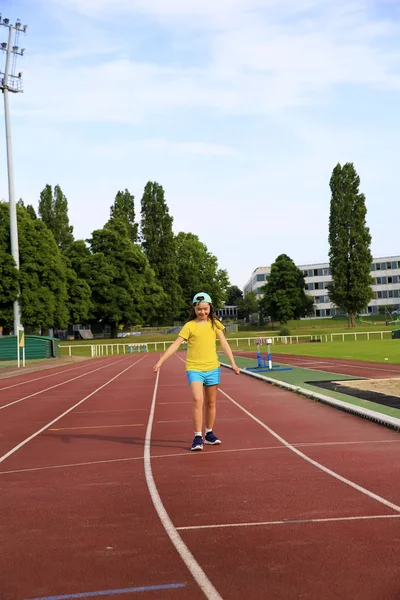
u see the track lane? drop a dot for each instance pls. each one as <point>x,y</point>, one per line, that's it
<point>93,528</point>
<point>273,486</point>
<point>13,394</point>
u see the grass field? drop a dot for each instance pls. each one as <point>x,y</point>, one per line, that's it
<point>374,349</point>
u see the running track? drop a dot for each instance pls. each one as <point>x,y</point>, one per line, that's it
<point>100,496</point>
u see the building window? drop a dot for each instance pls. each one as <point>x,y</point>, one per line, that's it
<point>260,277</point>
<point>373,267</point>
<point>378,266</point>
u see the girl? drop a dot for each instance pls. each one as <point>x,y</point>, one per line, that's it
<point>202,366</point>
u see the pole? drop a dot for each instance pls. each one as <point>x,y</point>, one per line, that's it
<point>11,193</point>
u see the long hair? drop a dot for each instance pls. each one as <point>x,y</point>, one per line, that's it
<point>211,315</point>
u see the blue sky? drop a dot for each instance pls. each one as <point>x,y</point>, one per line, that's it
<point>240,109</point>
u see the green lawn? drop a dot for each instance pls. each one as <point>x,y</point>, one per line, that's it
<point>375,350</point>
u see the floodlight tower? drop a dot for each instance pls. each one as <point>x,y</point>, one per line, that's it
<point>10,81</point>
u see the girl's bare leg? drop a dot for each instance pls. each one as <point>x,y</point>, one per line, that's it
<point>211,405</point>
<point>196,387</point>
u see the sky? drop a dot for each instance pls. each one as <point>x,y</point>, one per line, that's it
<point>240,109</point>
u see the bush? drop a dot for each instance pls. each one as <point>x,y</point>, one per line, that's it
<point>284,330</point>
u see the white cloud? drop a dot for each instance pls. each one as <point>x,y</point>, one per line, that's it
<point>259,62</point>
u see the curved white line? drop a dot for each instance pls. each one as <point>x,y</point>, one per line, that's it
<point>197,572</point>
<point>314,462</point>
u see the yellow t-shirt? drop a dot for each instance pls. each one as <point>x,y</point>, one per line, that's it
<point>201,339</point>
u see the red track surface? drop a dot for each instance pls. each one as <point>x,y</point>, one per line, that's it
<point>256,519</point>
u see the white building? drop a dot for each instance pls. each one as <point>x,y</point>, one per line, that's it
<point>385,272</point>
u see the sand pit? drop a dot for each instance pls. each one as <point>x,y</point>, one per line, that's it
<point>391,387</point>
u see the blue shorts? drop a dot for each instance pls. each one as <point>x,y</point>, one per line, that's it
<point>205,377</point>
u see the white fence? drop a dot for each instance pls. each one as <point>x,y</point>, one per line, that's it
<point>101,349</point>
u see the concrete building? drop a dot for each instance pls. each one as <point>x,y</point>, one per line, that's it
<point>385,272</point>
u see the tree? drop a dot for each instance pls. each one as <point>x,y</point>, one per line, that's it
<point>124,209</point>
<point>9,274</point>
<point>350,257</point>
<point>124,288</point>
<point>53,210</point>
<point>248,305</point>
<point>42,276</point>
<point>198,271</point>
<point>284,294</point>
<point>235,295</point>
<point>159,245</point>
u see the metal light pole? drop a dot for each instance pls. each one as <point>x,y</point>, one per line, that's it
<point>11,82</point>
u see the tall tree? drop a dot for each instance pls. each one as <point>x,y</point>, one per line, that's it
<point>42,276</point>
<point>235,295</point>
<point>349,240</point>
<point>53,210</point>
<point>284,294</point>
<point>124,209</point>
<point>159,245</point>
<point>198,271</point>
<point>124,287</point>
<point>9,274</point>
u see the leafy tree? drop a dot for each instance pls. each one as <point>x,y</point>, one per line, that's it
<point>53,210</point>
<point>9,274</point>
<point>235,295</point>
<point>124,209</point>
<point>159,245</point>
<point>349,240</point>
<point>248,305</point>
<point>198,271</point>
<point>285,296</point>
<point>124,288</point>
<point>42,276</point>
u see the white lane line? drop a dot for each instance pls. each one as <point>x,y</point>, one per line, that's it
<point>60,384</point>
<point>314,462</point>
<point>191,421</point>
<point>89,412</point>
<point>289,522</point>
<point>187,454</point>
<point>197,572</point>
<point>44,377</point>
<point>31,437</point>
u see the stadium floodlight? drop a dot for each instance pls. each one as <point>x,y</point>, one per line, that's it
<point>12,82</point>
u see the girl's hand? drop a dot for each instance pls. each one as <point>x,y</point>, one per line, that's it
<point>236,369</point>
<point>156,367</point>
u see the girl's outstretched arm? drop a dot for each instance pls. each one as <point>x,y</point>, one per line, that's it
<point>227,349</point>
<point>169,352</point>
